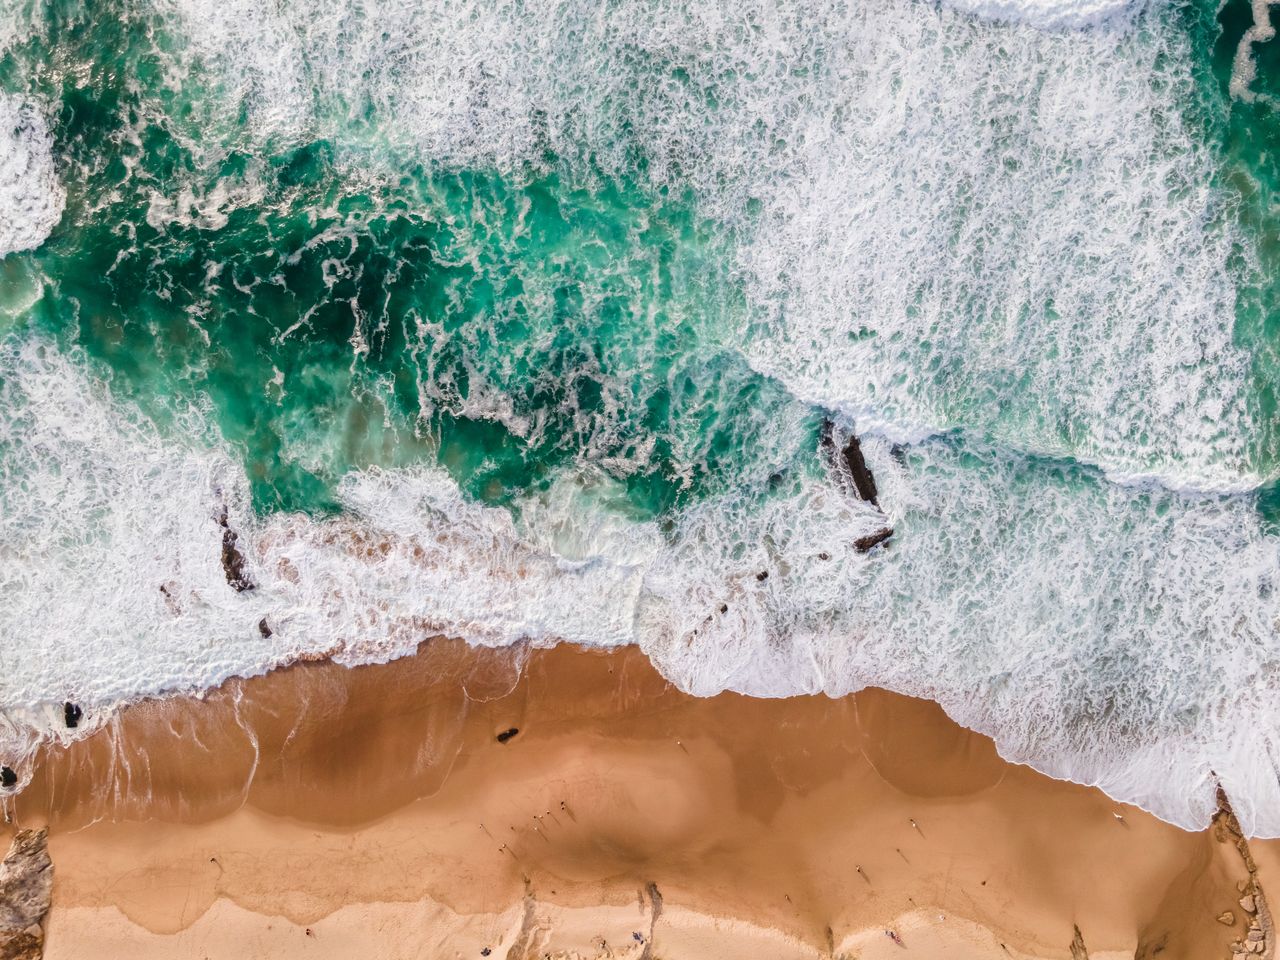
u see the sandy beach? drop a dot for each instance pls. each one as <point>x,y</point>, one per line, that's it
<point>320,811</point>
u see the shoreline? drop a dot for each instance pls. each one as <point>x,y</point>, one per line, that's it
<point>371,802</point>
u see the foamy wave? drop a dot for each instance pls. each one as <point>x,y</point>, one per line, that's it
<point>1048,14</point>
<point>111,534</point>
<point>944,222</point>
<point>31,196</point>
<point>1015,234</point>
<point>1112,636</point>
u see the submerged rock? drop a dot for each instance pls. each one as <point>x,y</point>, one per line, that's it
<point>7,777</point>
<point>71,714</point>
<point>264,629</point>
<point>26,883</point>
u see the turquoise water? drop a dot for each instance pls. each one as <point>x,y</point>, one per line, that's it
<point>515,321</point>
<point>503,324</point>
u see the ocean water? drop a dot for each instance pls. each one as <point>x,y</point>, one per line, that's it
<point>520,321</point>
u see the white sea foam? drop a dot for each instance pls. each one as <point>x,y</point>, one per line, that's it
<point>1114,636</point>
<point>112,572</point>
<point>944,225</point>
<point>944,222</point>
<point>1049,14</point>
<point>31,196</point>
<point>18,19</point>
<point>1244,68</point>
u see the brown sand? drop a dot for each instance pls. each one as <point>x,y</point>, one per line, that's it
<point>328,812</point>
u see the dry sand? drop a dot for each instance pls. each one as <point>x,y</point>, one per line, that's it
<point>322,812</point>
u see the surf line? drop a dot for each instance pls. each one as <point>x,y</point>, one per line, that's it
<point>851,466</point>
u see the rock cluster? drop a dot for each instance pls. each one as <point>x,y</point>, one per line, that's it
<point>26,883</point>
<point>1259,939</point>
<point>1255,941</point>
<point>852,466</point>
<point>233,562</point>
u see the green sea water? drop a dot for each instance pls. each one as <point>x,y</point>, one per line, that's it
<point>645,253</point>
<point>1251,140</point>
<point>505,324</point>
<point>501,322</point>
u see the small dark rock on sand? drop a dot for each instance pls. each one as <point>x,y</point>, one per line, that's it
<point>507,734</point>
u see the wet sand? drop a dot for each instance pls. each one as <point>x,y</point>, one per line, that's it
<point>321,811</point>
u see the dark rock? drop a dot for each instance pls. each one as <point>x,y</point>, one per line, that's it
<point>232,558</point>
<point>762,575</point>
<point>1078,950</point>
<point>857,464</point>
<point>7,777</point>
<point>864,544</point>
<point>263,628</point>
<point>724,608</point>
<point>854,462</point>
<point>22,944</point>
<point>71,713</point>
<point>26,883</point>
<point>507,734</point>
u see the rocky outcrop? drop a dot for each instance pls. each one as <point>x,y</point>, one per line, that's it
<point>856,464</point>
<point>851,464</point>
<point>233,558</point>
<point>1078,951</point>
<point>864,544</point>
<point>655,911</point>
<point>26,883</point>
<point>1259,940</point>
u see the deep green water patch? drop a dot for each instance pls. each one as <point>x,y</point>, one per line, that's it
<point>1250,136</point>
<point>504,326</point>
<point>507,325</point>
